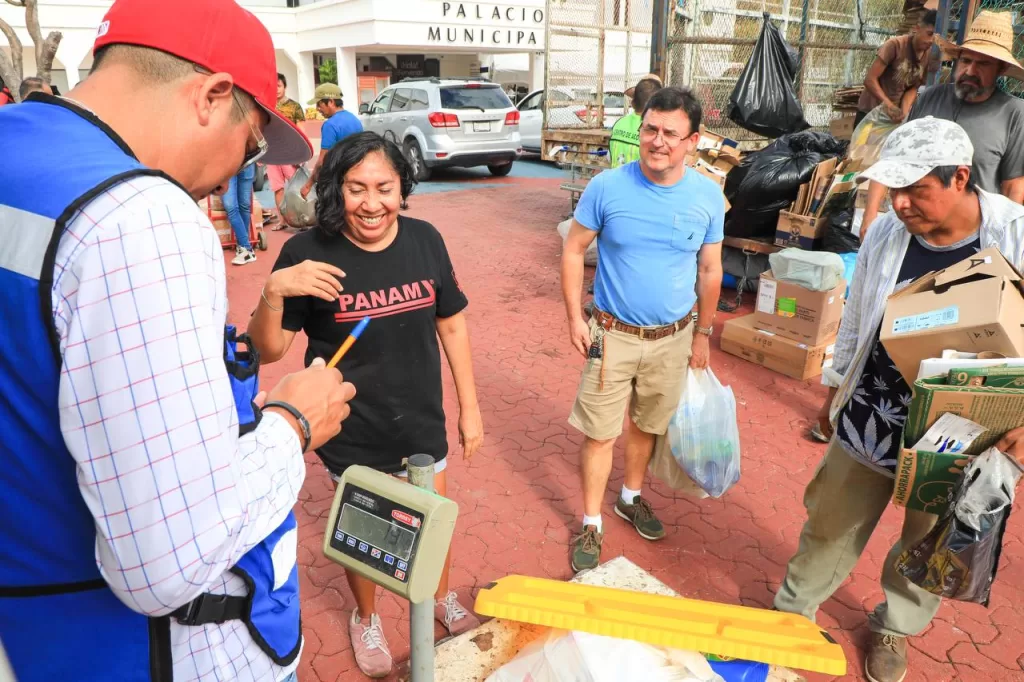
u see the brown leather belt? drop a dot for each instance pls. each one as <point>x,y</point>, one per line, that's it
<point>645,333</point>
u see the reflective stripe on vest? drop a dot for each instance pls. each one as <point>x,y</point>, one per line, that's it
<point>58,618</point>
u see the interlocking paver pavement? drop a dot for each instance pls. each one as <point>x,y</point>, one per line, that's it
<point>518,497</point>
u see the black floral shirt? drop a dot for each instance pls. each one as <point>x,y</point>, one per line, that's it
<point>870,426</point>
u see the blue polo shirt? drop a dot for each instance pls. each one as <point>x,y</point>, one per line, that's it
<point>647,242</point>
<point>338,127</point>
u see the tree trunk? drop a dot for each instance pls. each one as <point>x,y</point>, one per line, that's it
<point>12,68</point>
<point>46,50</point>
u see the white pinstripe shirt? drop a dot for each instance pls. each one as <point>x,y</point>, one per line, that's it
<point>146,409</point>
<point>874,280</point>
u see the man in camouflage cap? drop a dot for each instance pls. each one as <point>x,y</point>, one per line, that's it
<point>940,217</point>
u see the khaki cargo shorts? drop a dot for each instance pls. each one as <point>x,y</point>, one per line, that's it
<point>645,375</point>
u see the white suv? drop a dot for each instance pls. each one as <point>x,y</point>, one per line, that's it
<point>447,122</point>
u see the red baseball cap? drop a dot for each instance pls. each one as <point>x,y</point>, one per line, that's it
<point>217,35</point>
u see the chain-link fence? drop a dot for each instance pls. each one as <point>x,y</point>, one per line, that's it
<point>958,9</point>
<point>710,41</point>
<point>595,50</point>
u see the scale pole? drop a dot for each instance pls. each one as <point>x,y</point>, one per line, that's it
<point>421,615</point>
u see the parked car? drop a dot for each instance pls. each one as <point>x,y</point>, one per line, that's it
<point>568,112</point>
<point>447,122</point>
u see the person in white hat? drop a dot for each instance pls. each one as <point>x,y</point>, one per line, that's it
<point>939,218</point>
<point>993,120</point>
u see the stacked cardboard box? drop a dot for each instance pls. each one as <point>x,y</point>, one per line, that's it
<point>792,331</point>
<point>976,308</point>
<point>714,157</point>
<point>832,187</point>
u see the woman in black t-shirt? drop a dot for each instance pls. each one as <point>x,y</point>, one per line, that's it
<point>364,259</point>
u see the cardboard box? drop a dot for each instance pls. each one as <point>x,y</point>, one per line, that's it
<point>992,377</point>
<point>790,310</point>
<point>842,128</point>
<point>794,359</point>
<point>975,305</point>
<point>997,409</point>
<point>710,140</point>
<point>925,480</point>
<point>799,231</point>
<point>717,177</point>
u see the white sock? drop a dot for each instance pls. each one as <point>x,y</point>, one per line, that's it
<point>594,521</point>
<point>629,495</point>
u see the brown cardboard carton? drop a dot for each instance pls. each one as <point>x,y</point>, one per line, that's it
<point>779,354</point>
<point>717,177</point>
<point>925,480</point>
<point>800,231</point>
<point>997,409</point>
<point>842,128</point>
<point>791,311</point>
<point>973,306</point>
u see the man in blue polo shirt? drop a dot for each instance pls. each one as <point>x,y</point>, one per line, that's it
<point>339,125</point>
<point>659,231</point>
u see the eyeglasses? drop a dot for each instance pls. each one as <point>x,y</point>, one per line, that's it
<point>670,138</point>
<point>251,155</point>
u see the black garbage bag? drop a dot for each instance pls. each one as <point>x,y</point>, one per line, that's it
<point>838,237</point>
<point>837,219</point>
<point>764,101</point>
<point>768,181</point>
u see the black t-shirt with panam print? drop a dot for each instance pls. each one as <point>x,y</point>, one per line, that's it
<point>871,425</point>
<point>396,363</point>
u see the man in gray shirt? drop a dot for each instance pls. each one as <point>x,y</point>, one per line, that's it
<point>994,121</point>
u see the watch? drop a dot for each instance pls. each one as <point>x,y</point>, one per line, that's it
<point>706,331</point>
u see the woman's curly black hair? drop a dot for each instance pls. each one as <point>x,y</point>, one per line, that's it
<point>343,157</point>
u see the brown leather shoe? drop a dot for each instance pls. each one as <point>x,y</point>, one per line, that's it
<point>887,658</point>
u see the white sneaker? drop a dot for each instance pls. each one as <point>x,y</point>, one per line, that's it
<point>243,256</point>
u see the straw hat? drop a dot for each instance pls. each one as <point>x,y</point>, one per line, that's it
<point>652,76</point>
<point>991,34</point>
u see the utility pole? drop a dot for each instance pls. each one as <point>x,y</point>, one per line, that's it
<point>659,38</point>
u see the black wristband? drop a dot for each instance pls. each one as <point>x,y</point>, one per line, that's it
<point>303,424</point>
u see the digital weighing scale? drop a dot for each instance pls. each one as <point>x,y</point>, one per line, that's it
<point>396,535</point>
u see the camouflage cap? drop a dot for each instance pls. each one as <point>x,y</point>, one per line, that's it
<point>915,149</point>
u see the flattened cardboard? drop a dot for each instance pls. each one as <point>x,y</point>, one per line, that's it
<point>997,409</point>
<point>810,317</point>
<point>779,354</point>
<point>976,305</point>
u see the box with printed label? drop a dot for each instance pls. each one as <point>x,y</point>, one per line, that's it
<point>800,231</point>
<point>925,480</point>
<point>794,359</point>
<point>997,409</point>
<point>973,306</point>
<point>797,313</point>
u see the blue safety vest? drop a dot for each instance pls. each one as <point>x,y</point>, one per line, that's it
<point>59,621</point>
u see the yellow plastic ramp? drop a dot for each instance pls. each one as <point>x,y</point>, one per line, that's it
<point>674,622</point>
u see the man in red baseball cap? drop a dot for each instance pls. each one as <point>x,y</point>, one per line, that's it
<point>148,529</point>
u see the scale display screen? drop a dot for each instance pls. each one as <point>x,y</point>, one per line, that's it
<point>376,532</point>
<point>392,533</point>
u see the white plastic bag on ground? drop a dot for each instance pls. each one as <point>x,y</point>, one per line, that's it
<point>296,211</point>
<point>581,657</point>
<point>590,257</point>
<point>703,433</point>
